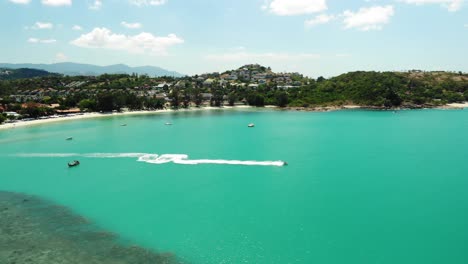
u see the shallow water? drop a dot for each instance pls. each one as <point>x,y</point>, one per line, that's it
<point>361,186</point>
<point>33,230</point>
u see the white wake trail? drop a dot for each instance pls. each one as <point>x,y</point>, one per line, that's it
<point>46,155</point>
<point>113,155</point>
<point>182,159</point>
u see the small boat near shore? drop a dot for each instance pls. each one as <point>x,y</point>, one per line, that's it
<point>251,125</point>
<point>73,163</point>
<point>123,125</point>
<point>168,124</point>
<point>69,138</point>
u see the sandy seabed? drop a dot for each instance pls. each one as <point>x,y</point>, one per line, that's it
<point>35,231</point>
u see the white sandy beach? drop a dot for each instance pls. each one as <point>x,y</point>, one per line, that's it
<point>98,115</point>
<point>458,105</point>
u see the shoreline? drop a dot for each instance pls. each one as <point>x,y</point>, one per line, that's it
<point>453,106</point>
<point>7,126</point>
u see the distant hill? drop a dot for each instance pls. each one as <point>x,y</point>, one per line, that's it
<point>22,73</point>
<point>74,69</point>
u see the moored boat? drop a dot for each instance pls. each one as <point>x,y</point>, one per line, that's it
<point>73,163</point>
<point>251,125</point>
<point>69,138</point>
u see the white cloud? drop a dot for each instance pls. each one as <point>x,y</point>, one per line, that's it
<point>343,55</point>
<point>43,41</point>
<point>320,19</point>
<point>43,25</point>
<point>372,18</point>
<point>451,5</point>
<point>57,2</point>
<point>294,7</point>
<point>60,57</point>
<point>131,25</point>
<point>22,2</point>
<point>96,5</point>
<point>77,28</point>
<point>148,2</point>
<point>144,42</point>
<point>248,57</point>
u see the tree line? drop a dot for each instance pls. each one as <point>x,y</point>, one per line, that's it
<point>379,89</point>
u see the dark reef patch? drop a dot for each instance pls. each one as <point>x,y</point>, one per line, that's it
<point>36,231</point>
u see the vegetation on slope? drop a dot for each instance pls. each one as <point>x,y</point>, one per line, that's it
<point>109,92</point>
<point>23,73</point>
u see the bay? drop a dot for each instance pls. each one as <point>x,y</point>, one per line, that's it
<point>360,187</point>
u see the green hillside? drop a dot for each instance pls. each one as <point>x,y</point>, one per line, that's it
<point>23,73</point>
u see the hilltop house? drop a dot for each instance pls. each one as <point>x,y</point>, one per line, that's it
<point>232,76</point>
<point>161,86</point>
<point>208,82</point>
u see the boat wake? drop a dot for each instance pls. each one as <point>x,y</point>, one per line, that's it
<point>156,159</point>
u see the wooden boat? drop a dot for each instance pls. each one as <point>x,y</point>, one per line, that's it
<point>73,163</point>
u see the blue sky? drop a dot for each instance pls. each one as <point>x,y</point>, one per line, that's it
<point>313,37</point>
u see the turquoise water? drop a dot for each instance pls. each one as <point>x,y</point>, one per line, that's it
<point>361,186</point>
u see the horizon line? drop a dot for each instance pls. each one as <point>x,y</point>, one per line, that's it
<point>189,75</point>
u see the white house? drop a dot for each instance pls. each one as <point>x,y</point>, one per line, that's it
<point>12,114</point>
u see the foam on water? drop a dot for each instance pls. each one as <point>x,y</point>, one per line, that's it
<point>156,159</point>
<point>113,155</point>
<point>183,159</point>
<point>46,155</point>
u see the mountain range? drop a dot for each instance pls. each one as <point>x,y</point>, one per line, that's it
<point>74,69</point>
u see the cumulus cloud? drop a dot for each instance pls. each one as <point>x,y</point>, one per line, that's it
<point>147,2</point>
<point>131,25</point>
<point>103,38</point>
<point>320,19</point>
<point>77,28</point>
<point>60,57</point>
<point>294,7</point>
<point>57,2</point>
<point>22,2</point>
<point>372,18</point>
<point>96,5</point>
<point>43,25</point>
<point>43,41</point>
<point>451,5</point>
